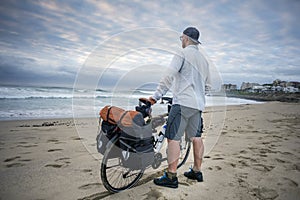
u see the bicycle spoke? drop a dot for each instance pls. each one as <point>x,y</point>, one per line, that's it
<point>117,177</point>
<point>112,166</point>
<point>134,174</point>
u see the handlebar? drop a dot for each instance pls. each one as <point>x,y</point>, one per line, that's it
<point>145,105</point>
<point>168,99</point>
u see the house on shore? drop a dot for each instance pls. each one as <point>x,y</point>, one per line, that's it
<point>276,87</point>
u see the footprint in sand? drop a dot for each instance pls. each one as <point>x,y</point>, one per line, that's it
<point>52,140</point>
<point>87,170</point>
<point>224,132</point>
<point>218,168</point>
<point>289,182</point>
<point>96,196</point>
<point>247,158</point>
<point>286,153</point>
<point>54,165</point>
<point>295,166</point>
<point>281,161</point>
<point>218,158</point>
<point>185,181</point>
<point>61,162</point>
<point>22,142</point>
<point>65,160</point>
<point>243,175</point>
<point>27,146</point>
<point>243,163</point>
<point>153,194</point>
<point>25,160</point>
<point>76,138</point>
<point>265,193</point>
<point>263,155</point>
<point>261,167</point>
<point>54,150</point>
<point>55,141</point>
<point>264,143</point>
<point>15,165</point>
<point>89,186</point>
<point>12,159</point>
<point>232,165</point>
<point>62,159</point>
<point>243,151</point>
<point>264,151</point>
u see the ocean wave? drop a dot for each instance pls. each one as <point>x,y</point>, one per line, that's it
<point>103,97</point>
<point>32,98</point>
<point>47,93</point>
<point>148,92</point>
<point>24,98</point>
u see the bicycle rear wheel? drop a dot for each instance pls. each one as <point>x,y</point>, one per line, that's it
<point>185,147</point>
<point>115,177</point>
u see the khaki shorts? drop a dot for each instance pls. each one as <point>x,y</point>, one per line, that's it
<point>184,119</point>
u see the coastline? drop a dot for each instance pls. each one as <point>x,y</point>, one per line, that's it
<point>256,157</point>
<point>282,97</point>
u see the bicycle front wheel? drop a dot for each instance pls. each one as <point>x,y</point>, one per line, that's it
<point>115,177</point>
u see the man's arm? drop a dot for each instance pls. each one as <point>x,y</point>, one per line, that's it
<point>167,81</point>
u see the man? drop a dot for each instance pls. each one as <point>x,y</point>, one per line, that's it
<point>187,79</point>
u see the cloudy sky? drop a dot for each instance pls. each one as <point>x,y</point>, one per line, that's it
<point>57,43</point>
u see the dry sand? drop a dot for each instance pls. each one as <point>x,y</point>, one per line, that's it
<point>257,156</point>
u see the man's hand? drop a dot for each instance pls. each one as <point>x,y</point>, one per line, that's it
<point>152,101</point>
<point>149,100</point>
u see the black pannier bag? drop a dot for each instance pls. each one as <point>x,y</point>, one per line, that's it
<point>106,133</point>
<point>108,129</point>
<point>136,141</point>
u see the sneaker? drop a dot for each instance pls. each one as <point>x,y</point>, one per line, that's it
<point>165,181</point>
<point>194,175</point>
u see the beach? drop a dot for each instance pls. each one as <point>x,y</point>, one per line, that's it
<point>256,156</point>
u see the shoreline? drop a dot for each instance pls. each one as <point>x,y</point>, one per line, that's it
<point>210,107</point>
<point>282,97</point>
<point>255,157</point>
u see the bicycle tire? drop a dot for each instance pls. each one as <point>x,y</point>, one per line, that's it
<point>184,153</point>
<point>110,177</point>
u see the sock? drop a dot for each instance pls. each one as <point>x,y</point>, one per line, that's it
<point>171,175</point>
<point>196,171</point>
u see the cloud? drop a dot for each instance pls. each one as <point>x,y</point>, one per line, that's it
<point>260,38</point>
<point>16,75</point>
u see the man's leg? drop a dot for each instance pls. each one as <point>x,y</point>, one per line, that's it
<point>198,148</point>
<point>173,155</point>
<point>175,128</point>
<point>169,179</point>
<point>175,125</point>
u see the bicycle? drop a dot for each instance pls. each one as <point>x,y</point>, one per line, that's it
<point>116,176</point>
